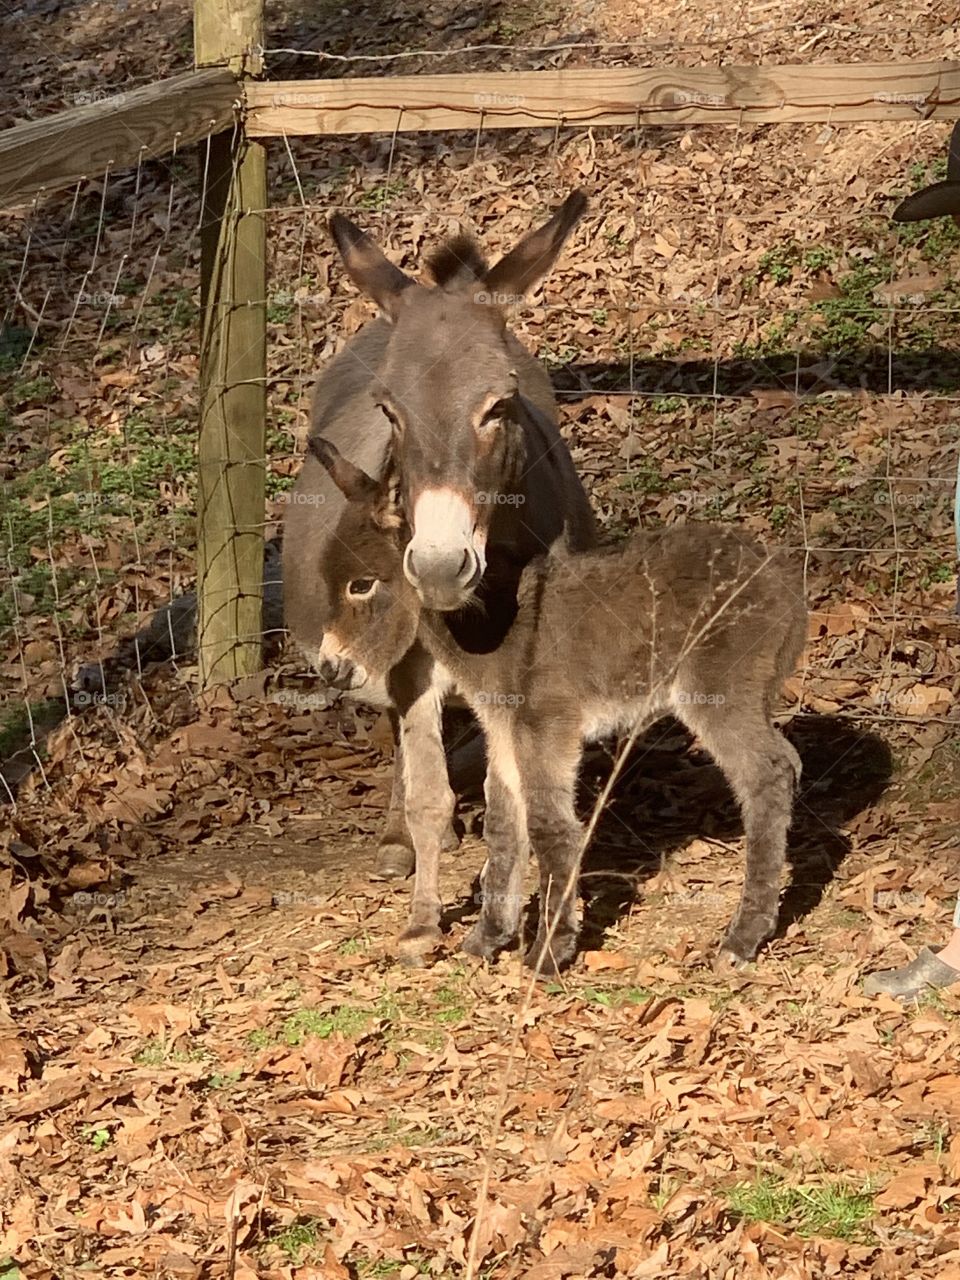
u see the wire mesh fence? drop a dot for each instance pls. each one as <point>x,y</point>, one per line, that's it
<point>737,332</point>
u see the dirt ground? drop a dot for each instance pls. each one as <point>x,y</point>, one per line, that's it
<point>211,1065</point>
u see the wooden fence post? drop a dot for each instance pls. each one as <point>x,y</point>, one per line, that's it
<point>233,365</point>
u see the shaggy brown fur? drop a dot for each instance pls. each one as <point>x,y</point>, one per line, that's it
<point>696,621</point>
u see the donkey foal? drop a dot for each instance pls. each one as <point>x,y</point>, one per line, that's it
<point>696,621</point>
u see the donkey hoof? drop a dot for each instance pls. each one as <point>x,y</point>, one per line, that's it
<point>394,861</point>
<point>417,942</point>
<point>451,841</point>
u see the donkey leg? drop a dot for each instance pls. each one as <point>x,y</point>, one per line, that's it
<point>763,769</point>
<point>503,873</point>
<point>556,837</point>
<point>429,803</point>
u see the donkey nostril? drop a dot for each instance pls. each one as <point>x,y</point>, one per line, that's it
<point>468,566</point>
<point>409,567</point>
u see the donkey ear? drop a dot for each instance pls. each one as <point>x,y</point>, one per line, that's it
<point>932,202</point>
<point>536,253</point>
<point>367,266</point>
<point>388,512</point>
<point>353,483</point>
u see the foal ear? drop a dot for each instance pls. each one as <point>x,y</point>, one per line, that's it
<point>367,266</point>
<point>536,253</point>
<point>353,483</point>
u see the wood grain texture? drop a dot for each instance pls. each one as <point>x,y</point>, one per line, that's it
<point>615,96</point>
<point>114,133</point>
<point>228,33</point>
<point>231,466</point>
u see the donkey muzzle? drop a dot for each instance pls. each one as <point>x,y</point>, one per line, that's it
<point>341,673</point>
<point>444,578</point>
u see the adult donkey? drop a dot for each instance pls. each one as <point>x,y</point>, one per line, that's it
<point>441,368</point>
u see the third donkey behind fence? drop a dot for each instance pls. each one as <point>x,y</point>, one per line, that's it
<point>696,621</point>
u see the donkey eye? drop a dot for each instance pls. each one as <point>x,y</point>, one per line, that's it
<point>494,415</point>
<point>362,588</point>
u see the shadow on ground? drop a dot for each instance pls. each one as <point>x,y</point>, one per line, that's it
<point>670,794</point>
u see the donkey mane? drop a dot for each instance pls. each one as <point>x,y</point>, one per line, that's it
<point>458,261</point>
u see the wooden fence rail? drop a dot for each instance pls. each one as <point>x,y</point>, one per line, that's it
<point>616,96</point>
<point>114,133</point>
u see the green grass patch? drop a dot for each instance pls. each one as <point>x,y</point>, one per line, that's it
<point>223,1079</point>
<point>96,483</point>
<point>300,1241</point>
<point>606,997</point>
<point>644,477</point>
<point>380,197</point>
<point>347,1021</point>
<point>97,1136</point>
<point>835,1209</point>
<point>394,1017</point>
<point>15,722</point>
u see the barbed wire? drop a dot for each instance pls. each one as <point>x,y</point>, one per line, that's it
<point>562,46</point>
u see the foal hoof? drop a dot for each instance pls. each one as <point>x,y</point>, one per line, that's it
<point>543,963</point>
<point>728,963</point>
<point>479,943</point>
<point>394,861</point>
<point>416,943</point>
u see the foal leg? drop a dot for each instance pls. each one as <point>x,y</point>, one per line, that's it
<point>395,857</point>
<point>549,772</point>
<point>763,769</point>
<point>504,833</point>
